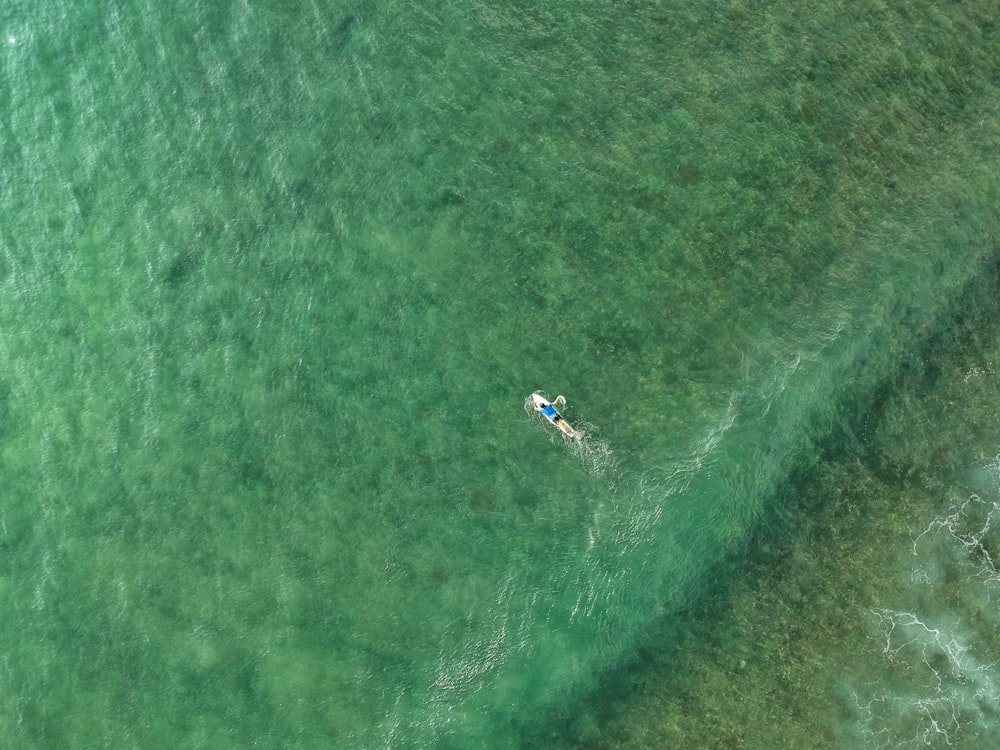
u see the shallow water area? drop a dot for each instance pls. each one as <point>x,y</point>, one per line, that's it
<point>274,278</point>
<point>873,622</point>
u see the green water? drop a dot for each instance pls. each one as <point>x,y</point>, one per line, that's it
<point>276,279</point>
<point>870,624</point>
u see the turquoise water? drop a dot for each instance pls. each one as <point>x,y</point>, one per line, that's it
<point>276,280</point>
<point>871,623</point>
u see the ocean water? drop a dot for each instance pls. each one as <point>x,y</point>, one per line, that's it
<point>872,622</point>
<point>276,280</point>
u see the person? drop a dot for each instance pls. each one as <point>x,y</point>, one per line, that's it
<point>549,410</point>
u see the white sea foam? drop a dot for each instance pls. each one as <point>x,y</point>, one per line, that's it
<point>942,682</point>
<point>944,688</point>
<point>964,528</point>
